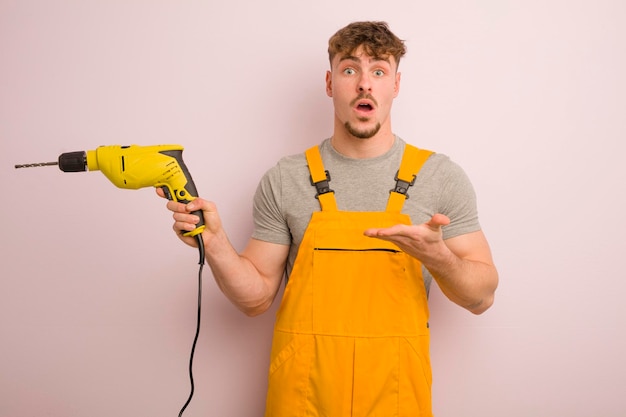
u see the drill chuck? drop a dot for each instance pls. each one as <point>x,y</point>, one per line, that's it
<point>73,161</point>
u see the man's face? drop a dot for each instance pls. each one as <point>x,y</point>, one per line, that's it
<point>363,88</point>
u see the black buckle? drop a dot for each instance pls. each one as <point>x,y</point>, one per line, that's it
<point>402,187</point>
<point>323,186</point>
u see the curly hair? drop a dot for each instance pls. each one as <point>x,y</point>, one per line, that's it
<point>375,38</point>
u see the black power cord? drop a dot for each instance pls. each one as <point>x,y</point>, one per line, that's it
<point>195,339</point>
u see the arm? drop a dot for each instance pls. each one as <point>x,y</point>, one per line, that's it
<point>462,266</point>
<point>250,280</point>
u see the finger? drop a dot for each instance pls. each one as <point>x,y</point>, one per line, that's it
<point>200,204</point>
<point>372,232</point>
<point>186,218</point>
<point>181,228</point>
<point>398,229</point>
<point>176,207</point>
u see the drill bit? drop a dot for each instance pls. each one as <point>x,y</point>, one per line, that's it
<point>38,164</point>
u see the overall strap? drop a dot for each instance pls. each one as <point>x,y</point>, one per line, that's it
<point>320,179</point>
<point>412,161</point>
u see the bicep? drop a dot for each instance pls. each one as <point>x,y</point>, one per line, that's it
<point>269,259</point>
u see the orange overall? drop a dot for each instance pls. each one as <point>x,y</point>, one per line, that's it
<point>351,336</point>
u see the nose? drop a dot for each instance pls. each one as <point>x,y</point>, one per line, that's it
<point>364,83</point>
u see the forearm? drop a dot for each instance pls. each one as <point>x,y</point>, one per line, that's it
<point>237,277</point>
<point>469,283</point>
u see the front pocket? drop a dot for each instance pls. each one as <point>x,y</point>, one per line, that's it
<point>415,388</point>
<point>365,293</point>
<point>289,371</point>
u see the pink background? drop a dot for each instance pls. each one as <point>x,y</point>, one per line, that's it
<point>97,296</point>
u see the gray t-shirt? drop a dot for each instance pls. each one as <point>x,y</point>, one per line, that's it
<point>285,198</point>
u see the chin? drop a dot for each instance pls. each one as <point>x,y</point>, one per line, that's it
<point>362,133</point>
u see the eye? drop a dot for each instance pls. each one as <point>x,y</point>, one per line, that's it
<point>379,73</point>
<point>349,71</point>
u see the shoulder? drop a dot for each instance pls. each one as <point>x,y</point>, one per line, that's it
<point>438,166</point>
<point>444,179</point>
<point>284,166</point>
<point>289,176</point>
<point>293,168</point>
<point>442,166</point>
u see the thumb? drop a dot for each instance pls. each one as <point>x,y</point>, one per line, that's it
<point>437,221</point>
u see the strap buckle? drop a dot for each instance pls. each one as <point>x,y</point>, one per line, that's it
<point>402,186</point>
<point>323,186</point>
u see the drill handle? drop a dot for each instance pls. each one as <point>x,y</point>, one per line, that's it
<point>200,226</point>
<point>184,194</point>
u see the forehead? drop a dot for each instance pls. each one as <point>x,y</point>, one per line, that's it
<point>362,57</point>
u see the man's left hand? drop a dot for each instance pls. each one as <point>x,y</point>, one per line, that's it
<point>422,241</point>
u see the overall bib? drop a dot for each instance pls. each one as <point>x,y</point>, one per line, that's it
<point>351,336</point>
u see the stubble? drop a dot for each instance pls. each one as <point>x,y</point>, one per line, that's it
<point>362,134</point>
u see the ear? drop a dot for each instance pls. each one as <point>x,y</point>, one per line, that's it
<point>329,83</point>
<point>396,88</point>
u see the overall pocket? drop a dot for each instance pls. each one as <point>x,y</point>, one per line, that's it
<point>364,293</point>
<point>415,387</point>
<point>288,379</point>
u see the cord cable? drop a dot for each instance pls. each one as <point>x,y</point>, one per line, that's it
<point>195,339</point>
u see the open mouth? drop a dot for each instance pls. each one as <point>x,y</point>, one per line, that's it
<point>364,106</point>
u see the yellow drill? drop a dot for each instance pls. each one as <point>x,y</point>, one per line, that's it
<point>134,167</point>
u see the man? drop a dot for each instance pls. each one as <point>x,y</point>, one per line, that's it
<point>351,335</point>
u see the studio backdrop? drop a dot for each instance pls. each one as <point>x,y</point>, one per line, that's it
<point>98,296</point>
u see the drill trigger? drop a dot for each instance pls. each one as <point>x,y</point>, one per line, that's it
<point>166,191</point>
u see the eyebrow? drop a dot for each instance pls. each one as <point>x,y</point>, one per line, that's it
<point>357,60</point>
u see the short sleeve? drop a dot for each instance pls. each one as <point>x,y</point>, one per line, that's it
<point>269,223</point>
<point>457,200</point>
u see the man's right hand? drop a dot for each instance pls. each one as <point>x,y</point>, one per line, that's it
<point>184,221</point>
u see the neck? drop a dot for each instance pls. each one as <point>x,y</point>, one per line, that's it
<point>357,148</point>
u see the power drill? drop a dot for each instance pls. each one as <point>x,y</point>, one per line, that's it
<point>134,167</point>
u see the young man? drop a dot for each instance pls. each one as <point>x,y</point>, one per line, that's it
<point>351,335</point>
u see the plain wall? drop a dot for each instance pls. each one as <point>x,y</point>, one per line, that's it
<point>98,296</point>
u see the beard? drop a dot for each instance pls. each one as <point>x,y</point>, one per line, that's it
<point>362,134</point>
